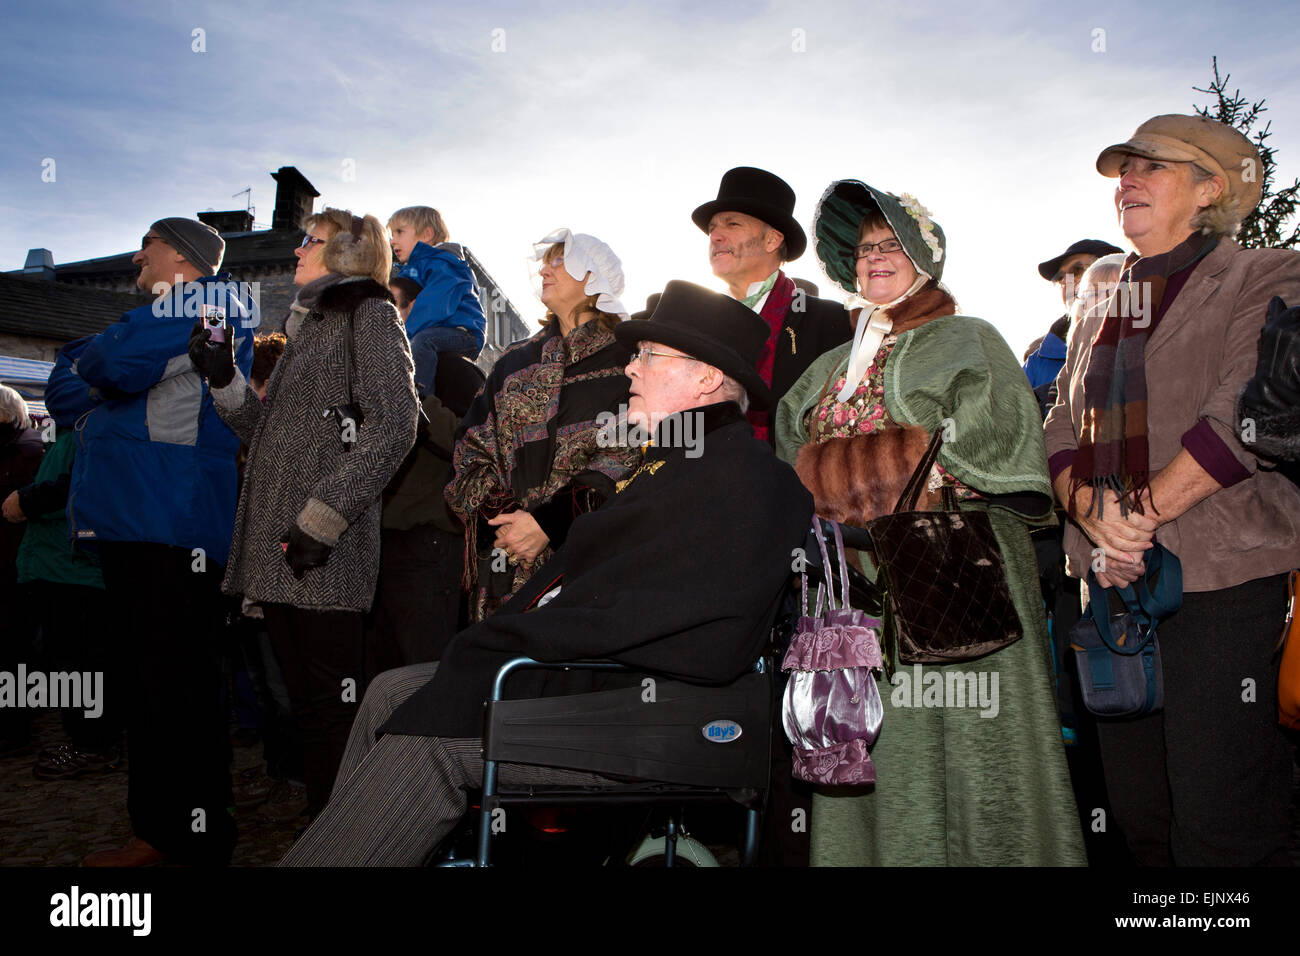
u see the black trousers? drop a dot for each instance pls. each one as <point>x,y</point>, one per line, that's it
<point>79,634</point>
<point>417,599</point>
<point>1207,782</point>
<point>168,604</point>
<point>320,655</point>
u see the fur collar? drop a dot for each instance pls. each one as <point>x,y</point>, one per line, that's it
<point>929,302</point>
<point>347,295</point>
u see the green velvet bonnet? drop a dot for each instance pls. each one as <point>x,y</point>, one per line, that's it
<point>839,214</point>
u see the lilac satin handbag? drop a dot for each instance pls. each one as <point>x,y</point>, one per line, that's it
<point>832,710</point>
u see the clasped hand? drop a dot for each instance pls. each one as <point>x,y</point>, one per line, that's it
<point>1123,538</point>
<point>520,536</point>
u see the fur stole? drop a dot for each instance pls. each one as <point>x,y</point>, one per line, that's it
<point>853,480</point>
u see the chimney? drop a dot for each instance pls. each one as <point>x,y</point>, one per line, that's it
<point>39,264</point>
<point>294,198</point>
<point>234,220</point>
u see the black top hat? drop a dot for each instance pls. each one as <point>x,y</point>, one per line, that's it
<point>650,304</point>
<point>716,329</point>
<point>760,194</point>
<point>1093,247</point>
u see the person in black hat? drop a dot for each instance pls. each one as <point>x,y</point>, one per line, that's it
<point>1045,357</point>
<point>646,580</point>
<point>752,231</point>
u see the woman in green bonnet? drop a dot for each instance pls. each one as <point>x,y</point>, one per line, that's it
<point>984,783</point>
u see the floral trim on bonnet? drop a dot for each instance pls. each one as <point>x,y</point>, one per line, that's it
<point>922,217</point>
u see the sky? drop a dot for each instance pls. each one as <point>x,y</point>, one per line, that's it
<point>616,120</point>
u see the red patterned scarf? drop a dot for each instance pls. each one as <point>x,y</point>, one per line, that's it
<point>773,312</point>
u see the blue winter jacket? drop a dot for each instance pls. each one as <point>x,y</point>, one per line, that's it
<point>1046,363</point>
<point>154,463</point>
<point>449,293</point>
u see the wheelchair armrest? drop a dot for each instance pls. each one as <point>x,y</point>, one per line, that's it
<point>528,663</point>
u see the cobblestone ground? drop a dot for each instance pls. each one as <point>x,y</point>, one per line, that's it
<point>56,823</point>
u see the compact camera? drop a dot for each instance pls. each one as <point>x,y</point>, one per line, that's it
<point>214,320</point>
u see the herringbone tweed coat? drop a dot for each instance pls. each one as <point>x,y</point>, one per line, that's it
<point>298,470</point>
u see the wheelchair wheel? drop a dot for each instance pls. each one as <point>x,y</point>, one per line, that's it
<point>690,852</point>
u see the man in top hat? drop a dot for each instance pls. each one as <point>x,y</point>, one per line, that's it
<point>752,231</point>
<point>679,574</point>
<point>1045,357</point>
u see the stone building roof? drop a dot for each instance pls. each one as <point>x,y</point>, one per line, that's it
<point>55,310</point>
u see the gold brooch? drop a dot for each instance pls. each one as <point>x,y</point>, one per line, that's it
<point>649,467</point>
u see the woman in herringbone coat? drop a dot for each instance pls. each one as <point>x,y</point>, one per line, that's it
<point>339,417</point>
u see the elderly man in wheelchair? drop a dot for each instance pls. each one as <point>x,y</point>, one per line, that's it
<point>678,576</point>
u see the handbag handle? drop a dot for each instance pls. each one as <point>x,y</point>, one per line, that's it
<point>912,493</point>
<point>827,572</point>
<point>1146,604</point>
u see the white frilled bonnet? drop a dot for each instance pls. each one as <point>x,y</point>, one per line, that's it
<point>583,254</point>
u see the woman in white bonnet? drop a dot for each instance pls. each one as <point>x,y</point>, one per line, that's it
<point>527,458</point>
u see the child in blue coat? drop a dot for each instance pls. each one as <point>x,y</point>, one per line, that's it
<point>447,316</point>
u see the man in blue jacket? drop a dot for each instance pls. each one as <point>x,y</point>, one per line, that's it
<point>154,489</point>
<point>1046,356</point>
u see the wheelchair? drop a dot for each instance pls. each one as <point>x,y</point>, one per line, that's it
<point>664,743</point>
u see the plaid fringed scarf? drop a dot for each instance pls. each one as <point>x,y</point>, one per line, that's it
<point>1113,449</point>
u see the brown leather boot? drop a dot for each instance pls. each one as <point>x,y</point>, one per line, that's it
<point>135,853</point>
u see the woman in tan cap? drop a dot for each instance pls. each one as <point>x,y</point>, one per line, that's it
<point>1142,448</point>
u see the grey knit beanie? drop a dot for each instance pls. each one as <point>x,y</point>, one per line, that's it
<point>198,242</point>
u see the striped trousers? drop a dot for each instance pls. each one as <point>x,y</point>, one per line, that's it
<point>397,797</point>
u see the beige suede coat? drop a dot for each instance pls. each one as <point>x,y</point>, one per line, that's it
<point>1200,356</point>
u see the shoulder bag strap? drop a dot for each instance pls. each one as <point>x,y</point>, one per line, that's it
<point>347,358</point>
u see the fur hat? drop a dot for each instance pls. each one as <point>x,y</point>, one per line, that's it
<point>354,251</point>
<point>840,212</point>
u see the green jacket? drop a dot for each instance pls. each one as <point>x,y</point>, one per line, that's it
<point>46,554</point>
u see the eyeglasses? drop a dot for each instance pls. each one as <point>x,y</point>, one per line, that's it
<point>308,240</point>
<point>643,354</point>
<point>885,247</point>
<point>556,263</point>
<point>144,242</point>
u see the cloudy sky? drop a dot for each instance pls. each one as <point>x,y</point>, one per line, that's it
<point>614,119</point>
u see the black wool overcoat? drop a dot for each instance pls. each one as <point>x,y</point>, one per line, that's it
<point>679,574</point>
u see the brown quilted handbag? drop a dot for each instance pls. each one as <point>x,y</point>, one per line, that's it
<point>945,583</point>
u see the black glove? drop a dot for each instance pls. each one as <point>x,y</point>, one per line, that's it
<point>303,552</point>
<point>215,361</point>
<point>1276,384</point>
